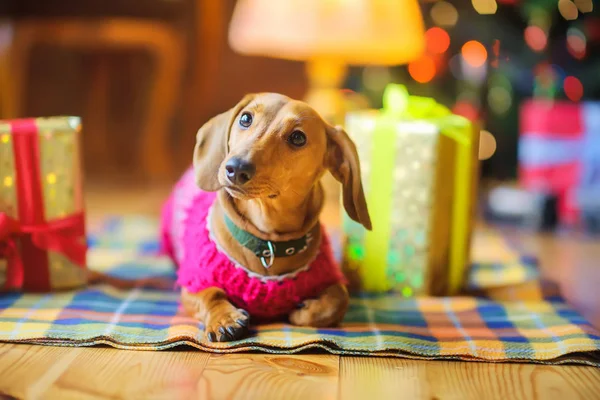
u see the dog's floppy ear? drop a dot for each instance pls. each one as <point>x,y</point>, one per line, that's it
<point>342,161</point>
<point>211,146</point>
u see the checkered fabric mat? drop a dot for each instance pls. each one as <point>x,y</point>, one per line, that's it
<point>465,328</point>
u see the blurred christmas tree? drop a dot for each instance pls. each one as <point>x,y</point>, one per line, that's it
<point>484,57</point>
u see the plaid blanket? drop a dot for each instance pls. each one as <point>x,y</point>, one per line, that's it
<point>467,328</point>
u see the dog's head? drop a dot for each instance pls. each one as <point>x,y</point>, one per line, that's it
<point>269,144</point>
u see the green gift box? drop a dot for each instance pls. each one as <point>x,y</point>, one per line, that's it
<point>419,167</point>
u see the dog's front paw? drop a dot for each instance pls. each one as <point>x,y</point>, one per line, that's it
<point>325,311</point>
<point>227,324</point>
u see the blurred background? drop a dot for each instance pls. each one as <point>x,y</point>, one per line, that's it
<point>146,74</point>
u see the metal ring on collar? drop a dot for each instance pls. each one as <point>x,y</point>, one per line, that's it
<point>271,258</point>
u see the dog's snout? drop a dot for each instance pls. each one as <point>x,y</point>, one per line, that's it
<point>239,171</point>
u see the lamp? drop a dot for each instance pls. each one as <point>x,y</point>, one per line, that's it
<point>329,35</point>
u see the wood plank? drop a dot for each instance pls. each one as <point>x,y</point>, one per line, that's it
<point>24,371</point>
<point>98,373</point>
<point>112,373</point>
<point>389,378</point>
<point>265,377</point>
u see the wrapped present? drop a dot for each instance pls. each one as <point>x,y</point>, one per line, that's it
<point>559,151</point>
<point>42,230</point>
<point>418,166</point>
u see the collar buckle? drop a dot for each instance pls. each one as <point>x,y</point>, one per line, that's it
<point>271,255</point>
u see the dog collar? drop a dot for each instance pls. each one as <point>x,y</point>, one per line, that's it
<point>268,250</point>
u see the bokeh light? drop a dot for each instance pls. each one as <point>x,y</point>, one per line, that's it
<point>585,6</point>
<point>466,110</point>
<point>546,81</point>
<point>474,53</point>
<point>469,96</point>
<point>475,75</point>
<point>558,71</point>
<point>422,70</point>
<point>485,6</point>
<point>573,88</point>
<point>499,99</point>
<point>438,40</point>
<point>454,64</point>
<point>501,79</point>
<point>535,38</point>
<point>576,43</point>
<point>541,18</point>
<point>487,145</point>
<point>444,14</point>
<point>568,9</point>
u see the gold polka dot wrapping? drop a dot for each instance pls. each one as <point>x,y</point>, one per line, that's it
<point>409,249</point>
<point>61,185</point>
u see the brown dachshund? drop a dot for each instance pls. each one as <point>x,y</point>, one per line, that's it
<point>265,158</point>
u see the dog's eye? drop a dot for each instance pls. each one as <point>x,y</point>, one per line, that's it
<point>246,120</point>
<point>297,139</point>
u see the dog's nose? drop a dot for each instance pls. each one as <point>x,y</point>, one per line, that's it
<point>239,171</point>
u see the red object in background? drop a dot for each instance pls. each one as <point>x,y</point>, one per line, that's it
<point>466,109</point>
<point>553,152</point>
<point>573,88</point>
<point>423,69</point>
<point>437,39</point>
<point>494,62</point>
<point>26,239</point>
<point>547,118</point>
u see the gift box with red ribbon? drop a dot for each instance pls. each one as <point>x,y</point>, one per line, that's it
<point>42,226</point>
<point>559,151</point>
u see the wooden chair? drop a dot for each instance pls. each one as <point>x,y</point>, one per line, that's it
<point>161,40</point>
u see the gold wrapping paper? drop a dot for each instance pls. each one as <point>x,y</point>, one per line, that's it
<point>409,169</point>
<point>61,180</point>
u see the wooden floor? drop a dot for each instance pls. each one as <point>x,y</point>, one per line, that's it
<point>37,372</point>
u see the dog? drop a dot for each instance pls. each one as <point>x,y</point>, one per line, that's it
<point>242,223</point>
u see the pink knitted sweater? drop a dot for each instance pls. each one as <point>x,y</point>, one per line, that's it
<point>202,264</point>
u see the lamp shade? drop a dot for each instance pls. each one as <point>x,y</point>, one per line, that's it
<point>361,32</point>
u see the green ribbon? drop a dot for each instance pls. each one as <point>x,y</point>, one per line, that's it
<point>398,106</point>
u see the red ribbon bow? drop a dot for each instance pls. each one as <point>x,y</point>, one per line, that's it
<point>63,235</point>
<point>28,262</point>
